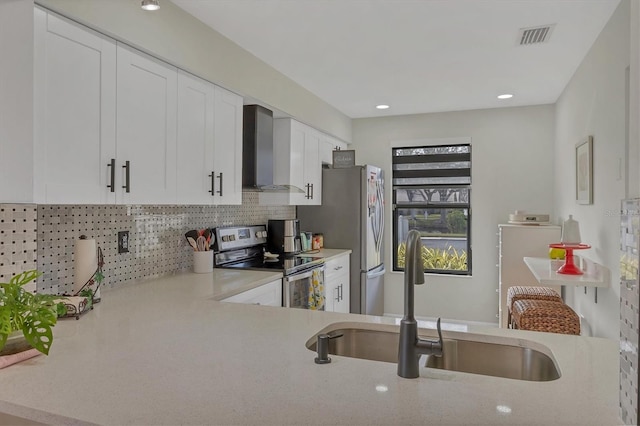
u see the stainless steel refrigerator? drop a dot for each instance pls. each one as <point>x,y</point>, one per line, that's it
<point>352,217</point>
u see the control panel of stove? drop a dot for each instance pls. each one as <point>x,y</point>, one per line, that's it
<point>235,237</point>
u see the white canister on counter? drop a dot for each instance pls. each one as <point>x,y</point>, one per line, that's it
<point>203,262</point>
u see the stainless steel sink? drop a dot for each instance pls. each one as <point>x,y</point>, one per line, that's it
<point>511,358</point>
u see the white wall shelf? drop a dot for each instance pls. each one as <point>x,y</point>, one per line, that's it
<point>544,270</point>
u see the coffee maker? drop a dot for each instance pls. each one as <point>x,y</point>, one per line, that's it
<point>283,236</point>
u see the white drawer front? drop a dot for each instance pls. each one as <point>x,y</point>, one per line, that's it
<point>337,266</point>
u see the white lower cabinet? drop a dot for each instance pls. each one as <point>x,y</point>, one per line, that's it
<point>269,294</point>
<point>337,284</point>
<point>514,243</point>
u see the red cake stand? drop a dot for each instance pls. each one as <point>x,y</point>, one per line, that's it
<point>569,267</point>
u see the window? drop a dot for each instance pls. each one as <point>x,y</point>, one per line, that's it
<point>432,194</point>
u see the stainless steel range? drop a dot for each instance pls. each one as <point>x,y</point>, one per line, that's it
<point>243,247</point>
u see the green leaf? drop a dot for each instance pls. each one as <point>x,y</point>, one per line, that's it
<point>25,277</point>
<point>38,333</point>
<point>5,320</point>
<point>61,309</point>
<point>33,314</point>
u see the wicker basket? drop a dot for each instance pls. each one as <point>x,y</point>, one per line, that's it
<point>544,315</point>
<point>533,293</point>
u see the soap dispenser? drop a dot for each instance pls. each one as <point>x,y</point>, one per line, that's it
<point>570,231</point>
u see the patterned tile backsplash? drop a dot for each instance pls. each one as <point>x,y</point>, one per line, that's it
<point>629,309</point>
<point>157,245</point>
<point>17,240</point>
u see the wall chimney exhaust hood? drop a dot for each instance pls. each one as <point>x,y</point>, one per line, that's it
<point>257,152</point>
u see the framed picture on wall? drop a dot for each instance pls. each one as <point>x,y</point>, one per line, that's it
<point>584,171</point>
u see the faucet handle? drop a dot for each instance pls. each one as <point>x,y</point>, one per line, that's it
<point>440,341</point>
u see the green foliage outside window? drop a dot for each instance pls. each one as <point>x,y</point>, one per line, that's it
<point>435,259</point>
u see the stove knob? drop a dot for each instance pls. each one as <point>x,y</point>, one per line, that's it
<point>232,237</point>
<point>225,238</point>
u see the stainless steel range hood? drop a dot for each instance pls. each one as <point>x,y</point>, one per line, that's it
<point>257,152</point>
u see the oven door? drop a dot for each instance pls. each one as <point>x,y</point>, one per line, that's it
<point>305,290</point>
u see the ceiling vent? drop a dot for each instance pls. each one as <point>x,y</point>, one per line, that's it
<point>535,35</point>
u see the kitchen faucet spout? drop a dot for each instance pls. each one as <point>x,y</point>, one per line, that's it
<point>411,346</point>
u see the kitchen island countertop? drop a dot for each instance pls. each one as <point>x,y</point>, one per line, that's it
<point>164,351</point>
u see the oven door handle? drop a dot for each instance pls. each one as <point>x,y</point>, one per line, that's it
<point>302,276</point>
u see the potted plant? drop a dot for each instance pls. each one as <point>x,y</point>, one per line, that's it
<point>25,316</point>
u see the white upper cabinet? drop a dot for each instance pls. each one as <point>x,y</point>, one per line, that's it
<point>296,162</point>
<point>74,112</point>
<point>209,147</point>
<point>146,130</point>
<point>312,168</point>
<point>328,144</point>
<point>114,125</point>
<point>227,167</point>
<point>195,140</point>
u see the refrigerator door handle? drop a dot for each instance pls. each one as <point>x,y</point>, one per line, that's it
<point>380,215</point>
<point>377,274</point>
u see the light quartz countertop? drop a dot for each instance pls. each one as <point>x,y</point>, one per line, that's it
<point>165,351</point>
<point>326,253</point>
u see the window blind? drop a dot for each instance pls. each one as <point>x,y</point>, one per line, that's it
<point>432,165</point>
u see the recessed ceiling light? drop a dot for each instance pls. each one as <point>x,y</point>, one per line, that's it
<point>382,106</point>
<point>505,96</point>
<point>150,5</point>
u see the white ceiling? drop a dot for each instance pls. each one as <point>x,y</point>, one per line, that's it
<point>416,55</point>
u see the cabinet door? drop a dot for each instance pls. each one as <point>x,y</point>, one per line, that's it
<point>195,135</point>
<point>328,144</point>
<point>297,163</point>
<point>516,242</point>
<point>146,132</point>
<point>341,299</point>
<point>326,151</point>
<point>312,168</point>
<point>74,112</point>
<point>228,147</point>
<point>337,283</point>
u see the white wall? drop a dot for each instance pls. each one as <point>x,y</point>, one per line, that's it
<point>177,37</point>
<point>633,172</point>
<point>16,100</point>
<point>512,168</point>
<point>594,103</point>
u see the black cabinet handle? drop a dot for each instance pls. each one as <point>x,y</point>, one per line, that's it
<point>127,176</point>
<point>213,184</point>
<point>220,177</point>
<point>311,192</point>
<point>308,194</point>
<point>112,175</point>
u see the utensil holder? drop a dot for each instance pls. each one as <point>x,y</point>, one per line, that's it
<point>203,262</point>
